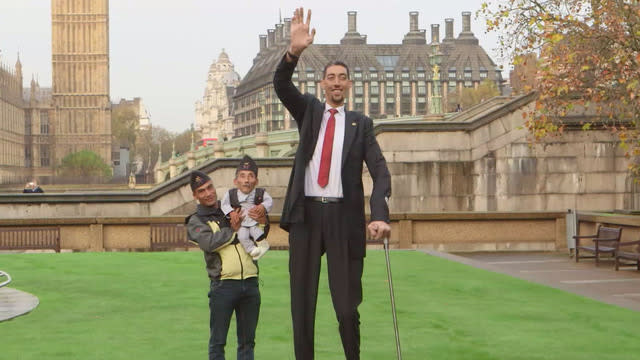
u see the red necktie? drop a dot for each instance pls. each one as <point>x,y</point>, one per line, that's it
<point>327,147</point>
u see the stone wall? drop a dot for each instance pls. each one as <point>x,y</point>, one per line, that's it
<point>464,231</point>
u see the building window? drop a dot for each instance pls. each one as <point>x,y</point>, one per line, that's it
<point>421,105</point>
<point>452,73</point>
<point>406,88</point>
<point>484,74</point>
<point>387,60</point>
<point>44,155</point>
<point>405,75</point>
<point>27,123</point>
<point>389,75</point>
<point>467,73</point>
<point>452,86</point>
<point>357,75</point>
<point>422,88</point>
<point>375,89</point>
<point>44,122</point>
<point>390,88</point>
<point>311,87</point>
<point>405,106</point>
<point>374,107</point>
<point>358,105</point>
<point>390,107</point>
<point>468,83</point>
<point>27,156</point>
<point>359,88</point>
<point>374,75</point>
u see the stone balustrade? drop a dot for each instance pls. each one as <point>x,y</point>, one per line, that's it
<point>451,232</point>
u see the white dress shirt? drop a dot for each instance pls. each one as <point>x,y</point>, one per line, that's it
<point>334,187</point>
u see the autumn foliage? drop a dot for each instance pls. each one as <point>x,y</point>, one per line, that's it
<point>588,63</point>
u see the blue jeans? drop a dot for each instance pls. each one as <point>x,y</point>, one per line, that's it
<point>225,297</point>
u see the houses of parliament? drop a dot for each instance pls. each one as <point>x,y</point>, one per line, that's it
<point>40,126</point>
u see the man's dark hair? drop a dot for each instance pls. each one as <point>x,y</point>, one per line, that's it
<point>335,62</point>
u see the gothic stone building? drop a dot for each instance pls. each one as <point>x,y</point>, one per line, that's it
<point>40,126</point>
<point>389,80</point>
<point>12,128</point>
<point>214,117</point>
<point>80,63</point>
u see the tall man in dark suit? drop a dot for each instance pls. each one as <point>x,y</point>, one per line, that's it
<point>324,206</point>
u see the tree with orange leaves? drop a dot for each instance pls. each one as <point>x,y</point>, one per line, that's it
<point>588,64</point>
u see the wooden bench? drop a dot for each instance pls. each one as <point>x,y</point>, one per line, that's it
<point>30,238</point>
<point>604,242</point>
<point>169,236</point>
<point>624,252</point>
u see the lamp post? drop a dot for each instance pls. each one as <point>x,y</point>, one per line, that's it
<point>261,139</point>
<point>435,59</point>
<point>263,120</point>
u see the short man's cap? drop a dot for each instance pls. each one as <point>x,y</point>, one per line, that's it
<point>247,163</point>
<point>198,178</point>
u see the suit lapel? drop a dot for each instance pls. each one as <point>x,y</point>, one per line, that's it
<point>318,112</point>
<point>350,127</point>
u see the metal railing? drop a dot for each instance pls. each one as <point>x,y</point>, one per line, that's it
<point>169,236</point>
<point>30,238</point>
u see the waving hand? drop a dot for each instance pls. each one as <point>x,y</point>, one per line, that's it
<point>301,37</point>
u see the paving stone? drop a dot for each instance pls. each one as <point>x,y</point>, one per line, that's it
<point>15,303</point>
<point>558,270</point>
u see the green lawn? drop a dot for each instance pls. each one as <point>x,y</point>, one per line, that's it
<point>154,306</point>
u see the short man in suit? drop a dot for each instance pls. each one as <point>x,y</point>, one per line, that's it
<point>324,205</point>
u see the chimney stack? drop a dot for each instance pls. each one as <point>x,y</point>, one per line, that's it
<point>287,28</point>
<point>271,37</point>
<point>263,42</point>
<point>352,36</point>
<point>352,22</point>
<point>448,29</point>
<point>413,21</point>
<point>466,21</point>
<point>435,33</point>
<point>415,36</point>
<point>466,36</point>
<point>279,33</point>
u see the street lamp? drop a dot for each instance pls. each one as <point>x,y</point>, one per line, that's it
<point>263,120</point>
<point>435,59</point>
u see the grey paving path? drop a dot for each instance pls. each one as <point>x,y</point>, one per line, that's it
<point>15,303</point>
<point>558,270</point>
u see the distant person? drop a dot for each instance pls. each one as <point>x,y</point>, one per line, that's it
<point>32,187</point>
<point>233,274</point>
<point>458,108</point>
<point>246,197</point>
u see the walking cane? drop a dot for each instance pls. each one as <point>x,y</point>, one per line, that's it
<point>393,302</point>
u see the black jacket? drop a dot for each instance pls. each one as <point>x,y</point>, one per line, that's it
<point>360,145</point>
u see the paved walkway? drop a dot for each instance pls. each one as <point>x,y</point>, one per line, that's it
<point>558,270</point>
<point>15,303</point>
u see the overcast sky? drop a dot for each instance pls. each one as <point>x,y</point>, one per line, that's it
<point>161,51</point>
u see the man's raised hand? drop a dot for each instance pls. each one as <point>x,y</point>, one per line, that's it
<point>300,35</point>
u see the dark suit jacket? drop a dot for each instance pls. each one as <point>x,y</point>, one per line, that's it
<point>360,146</point>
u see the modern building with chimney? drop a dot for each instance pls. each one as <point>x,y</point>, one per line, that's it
<point>412,78</point>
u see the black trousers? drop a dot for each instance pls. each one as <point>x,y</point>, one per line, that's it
<point>326,230</point>
<point>225,298</point>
